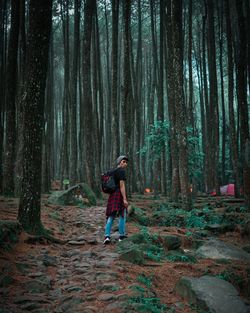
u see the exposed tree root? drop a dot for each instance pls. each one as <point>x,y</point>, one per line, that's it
<point>43,239</point>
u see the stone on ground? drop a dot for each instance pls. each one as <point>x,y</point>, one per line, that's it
<point>211,294</point>
<point>217,249</point>
<point>74,195</point>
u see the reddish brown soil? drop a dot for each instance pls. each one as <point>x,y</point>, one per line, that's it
<point>165,274</point>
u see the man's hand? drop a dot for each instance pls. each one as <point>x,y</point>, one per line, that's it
<point>125,203</point>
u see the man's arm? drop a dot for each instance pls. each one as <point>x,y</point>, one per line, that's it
<point>123,192</point>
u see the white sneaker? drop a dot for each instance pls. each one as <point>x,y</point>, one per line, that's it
<point>121,238</point>
<point>106,240</point>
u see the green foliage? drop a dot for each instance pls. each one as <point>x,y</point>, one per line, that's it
<point>178,257</point>
<point>233,278</point>
<point>140,246</point>
<point>195,155</point>
<point>143,299</point>
<point>148,305</point>
<point>151,249</point>
<point>140,217</point>
<point>66,182</point>
<point>55,215</point>
<point>147,281</point>
<point>194,221</point>
<point>156,140</point>
<point>196,218</point>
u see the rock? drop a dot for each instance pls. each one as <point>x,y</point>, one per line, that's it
<point>73,242</point>
<point>220,228</point>
<point>170,242</point>
<point>38,286</point>
<point>106,297</point>
<point>116,306</point>
<point>216,249</point>
<point>133,256</point>
<point>49,260</point>
<point>108,286</point>
<point>211,294</point>
<point>73,195</point>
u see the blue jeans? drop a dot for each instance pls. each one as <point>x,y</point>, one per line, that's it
<point>122,224</point>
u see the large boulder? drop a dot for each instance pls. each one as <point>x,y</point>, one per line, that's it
<point>211,294</point>
<point>132,255</point>
<point>80,193</point>
<point>217,249</point>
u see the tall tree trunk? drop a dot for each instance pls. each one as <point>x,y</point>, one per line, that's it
<point>138,101</point>
<point>95,84</point>
<point>48,136</point>
<point>114,104</point>
<point>179,101</point>
<point>190,69</point>
<point>10,105</point>
<point>207,128</point>
<point>73,99</point>
<point>156,83</point>
<point>19,109</point>
<point>2,77</point>
<point>202,106</point>
<point>171,107</point>
<point>223,110</point>
<point>100,98</point>
<point>213,102</point>
<point>241,78</point>
<point>233,136</point>
<point>127,97</point>
<point>89,10</point>
<point>161,94</point>
<point>40,17</point>
<point>66,93</point>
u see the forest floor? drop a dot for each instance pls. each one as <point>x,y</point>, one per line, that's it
<point>83,275</point>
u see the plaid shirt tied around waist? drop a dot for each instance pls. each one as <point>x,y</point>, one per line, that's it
<point>115,204</point>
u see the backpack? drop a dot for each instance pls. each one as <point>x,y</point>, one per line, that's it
<point>108,182</point>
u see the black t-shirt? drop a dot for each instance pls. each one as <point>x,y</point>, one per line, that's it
<point>119,174</point>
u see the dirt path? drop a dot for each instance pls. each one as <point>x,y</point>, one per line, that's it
<point>83,275</point>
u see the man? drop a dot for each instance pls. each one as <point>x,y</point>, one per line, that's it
<point>117,202</point>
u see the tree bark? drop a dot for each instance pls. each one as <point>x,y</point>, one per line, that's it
<point>241,79</point>
<point>230,68</point>
<point>40,17</point>
<point>10,102</point>
<point>114,104</point>
<point>179,101</point>
<point>87,96</point>
<point>2,78</point>
<point>73,99</point>
<point>127,97</point>
<point>175,180</point>
<point>213,103</point>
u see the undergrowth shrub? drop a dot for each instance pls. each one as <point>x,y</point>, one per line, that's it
<point>196,218</point>
<point>240,280</point>
<point>144,299</point>
<point>180,257</point>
